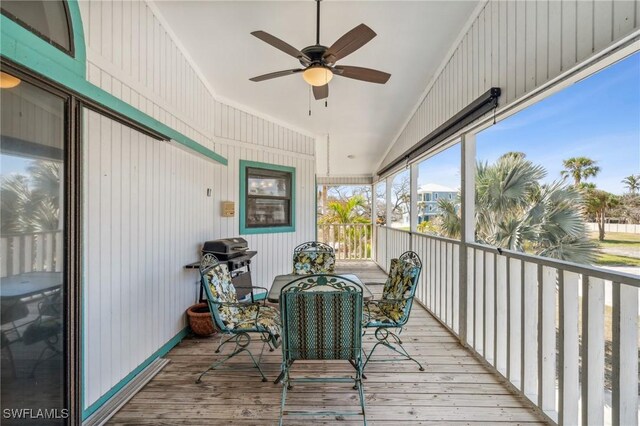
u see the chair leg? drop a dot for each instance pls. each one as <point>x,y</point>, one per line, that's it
<point>352,362</point>
<point>285,388</point>
<point>282,373</point>
<point>382,336</point>
<point>222,343</point>
<point>242,341</point>
<point>359,376</point>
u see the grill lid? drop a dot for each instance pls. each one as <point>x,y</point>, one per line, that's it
<point>226,248</point>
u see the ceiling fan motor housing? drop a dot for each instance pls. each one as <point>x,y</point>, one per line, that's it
<point>315,53</point>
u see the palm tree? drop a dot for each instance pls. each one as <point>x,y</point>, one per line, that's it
<point>31,203</point>
<point>632,183</point>
<point>347,212</point>
<point>579,168</point>
<point>598,203</point>
<point>515,211</point>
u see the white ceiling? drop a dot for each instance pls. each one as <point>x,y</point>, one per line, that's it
<point>361,118</point>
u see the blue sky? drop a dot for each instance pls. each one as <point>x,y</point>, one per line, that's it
<point>598,117</point>
<point>443,168</point>
<point>10,164</point>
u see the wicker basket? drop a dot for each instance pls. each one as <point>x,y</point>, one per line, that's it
<point>200,319</point>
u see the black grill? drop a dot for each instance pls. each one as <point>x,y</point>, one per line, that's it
<point>235,253</point>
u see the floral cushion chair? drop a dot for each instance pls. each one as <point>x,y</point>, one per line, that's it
<point>392,310</point>
<point>236,319</point>
<point>313,258</point>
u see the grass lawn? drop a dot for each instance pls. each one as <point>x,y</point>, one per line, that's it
<point>606,259</point>
<point>618,249</point>
<point>617,239</point>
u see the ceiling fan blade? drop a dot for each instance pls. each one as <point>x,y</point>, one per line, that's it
<point>349,43</point>
<point>281,45</point>
<point>276,74</point>
<point>321,92</point>
<point>364,74</point>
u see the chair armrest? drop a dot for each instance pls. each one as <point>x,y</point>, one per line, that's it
<point>252,287</point>
<point>236,304</point>
<point>390,300</point>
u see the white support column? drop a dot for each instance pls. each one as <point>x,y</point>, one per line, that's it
<point>374,217</point>
<point>467,196</point>
<point>413,205</point>
<point>389,182</point>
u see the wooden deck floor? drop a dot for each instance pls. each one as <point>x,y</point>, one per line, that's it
<point>455,388</point>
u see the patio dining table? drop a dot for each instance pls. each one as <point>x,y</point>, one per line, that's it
<point>281,280</point>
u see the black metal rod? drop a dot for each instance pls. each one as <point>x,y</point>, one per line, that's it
<point>317,22</point>
<point>467,115</point>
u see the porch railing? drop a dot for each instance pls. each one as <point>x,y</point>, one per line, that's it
<point>351,241</point>
<point>34,251</point>
<point>565,335</point>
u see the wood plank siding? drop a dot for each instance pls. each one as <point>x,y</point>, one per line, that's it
<point>146,216</point>
<point>455,387</point>
<point>517,46</point>
<point>146,206</point>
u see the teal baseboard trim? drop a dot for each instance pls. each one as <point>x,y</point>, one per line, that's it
<point>114,390</point>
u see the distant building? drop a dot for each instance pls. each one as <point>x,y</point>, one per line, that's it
<point>428,196</point>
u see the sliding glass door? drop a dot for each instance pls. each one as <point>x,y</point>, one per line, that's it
<point>33,287</point>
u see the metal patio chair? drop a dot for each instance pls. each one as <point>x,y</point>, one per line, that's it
<point>313,257</point>
<point>392,310</point>
<point>321,320</point>
<point>236,320</point>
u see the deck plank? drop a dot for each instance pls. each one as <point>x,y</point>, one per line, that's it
<point>455,388</point>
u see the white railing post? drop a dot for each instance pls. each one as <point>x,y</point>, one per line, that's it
<point>624,398</point>
<point>531,276</point>
<point>547,278</point>
<point>592,350</point>
<point>467,189</point>
<point>568,380</point>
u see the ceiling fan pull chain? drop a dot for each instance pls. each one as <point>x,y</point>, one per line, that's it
<point>309,101</point>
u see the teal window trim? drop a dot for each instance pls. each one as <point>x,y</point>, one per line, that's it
<point>122,383</point>
<point>25,48</point>
<point>243,198</point>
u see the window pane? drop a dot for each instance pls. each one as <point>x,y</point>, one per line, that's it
<point>438,194</point>
<point>267,212</point>
<point>48,18</point>
<point>400,193</point>
<point>31,287</point>
<point>275,187</point>
<point>551,175</point>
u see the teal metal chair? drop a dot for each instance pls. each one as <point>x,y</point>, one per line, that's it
<point>391,312</point>
<point>313,257</point>
<point>321,320</point>
<point>236,320</point>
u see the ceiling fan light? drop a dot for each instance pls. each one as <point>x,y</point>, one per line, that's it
<point>7,81</point>
<point>317,76</point>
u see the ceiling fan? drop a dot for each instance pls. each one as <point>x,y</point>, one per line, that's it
<point>319,61</point>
